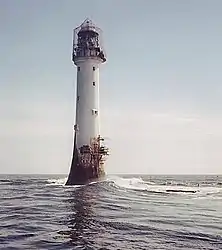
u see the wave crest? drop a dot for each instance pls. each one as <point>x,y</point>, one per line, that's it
<point>59,181</point>
<point>138,184</point>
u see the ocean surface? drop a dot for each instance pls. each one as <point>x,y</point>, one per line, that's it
<point>122,212</point>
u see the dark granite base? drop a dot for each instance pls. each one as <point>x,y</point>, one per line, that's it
<point>80,174</point>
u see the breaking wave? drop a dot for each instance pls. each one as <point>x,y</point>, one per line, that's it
<point>138,184</point>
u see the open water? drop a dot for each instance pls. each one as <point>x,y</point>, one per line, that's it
<point>131,212</point>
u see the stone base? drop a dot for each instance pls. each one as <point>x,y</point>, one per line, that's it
<point>80,174</point>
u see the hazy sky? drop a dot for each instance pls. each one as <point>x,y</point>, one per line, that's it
<point>161,88</point>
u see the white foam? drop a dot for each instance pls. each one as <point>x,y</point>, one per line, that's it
<point>62,182</point>
<point>139,184</point>
<point>58,182</point>
<point>210,190</point>
<point>129,183</point>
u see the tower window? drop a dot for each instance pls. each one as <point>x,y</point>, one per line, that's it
<point>78,98</point>
<point>94,83</point>
<point>78,68</point>
<point>94,68</point>
<point>94,112</point>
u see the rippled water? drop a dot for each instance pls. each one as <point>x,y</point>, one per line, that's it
<point>131,212</point>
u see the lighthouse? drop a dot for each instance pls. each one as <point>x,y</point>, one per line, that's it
<point>89,151</point>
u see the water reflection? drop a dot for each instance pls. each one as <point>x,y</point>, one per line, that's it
<point>81,222</point>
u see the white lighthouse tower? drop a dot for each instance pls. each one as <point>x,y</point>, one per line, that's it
<point>88,153</point>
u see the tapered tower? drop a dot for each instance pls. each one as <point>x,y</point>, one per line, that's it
<point>89,152</point>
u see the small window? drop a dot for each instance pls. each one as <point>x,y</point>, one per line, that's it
<point>94,83</point>
<point>94,68</point>
<point>94,112</point>
<point>78,68</point>
<point>78,98</point>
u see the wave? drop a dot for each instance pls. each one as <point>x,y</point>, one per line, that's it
<point>57,182</point>
<point>62,182</point>
<point>138,184</point>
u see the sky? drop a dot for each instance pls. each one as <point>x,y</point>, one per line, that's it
<point>160,89</point>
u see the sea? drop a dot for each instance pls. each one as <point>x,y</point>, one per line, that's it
<point>120,213</point>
